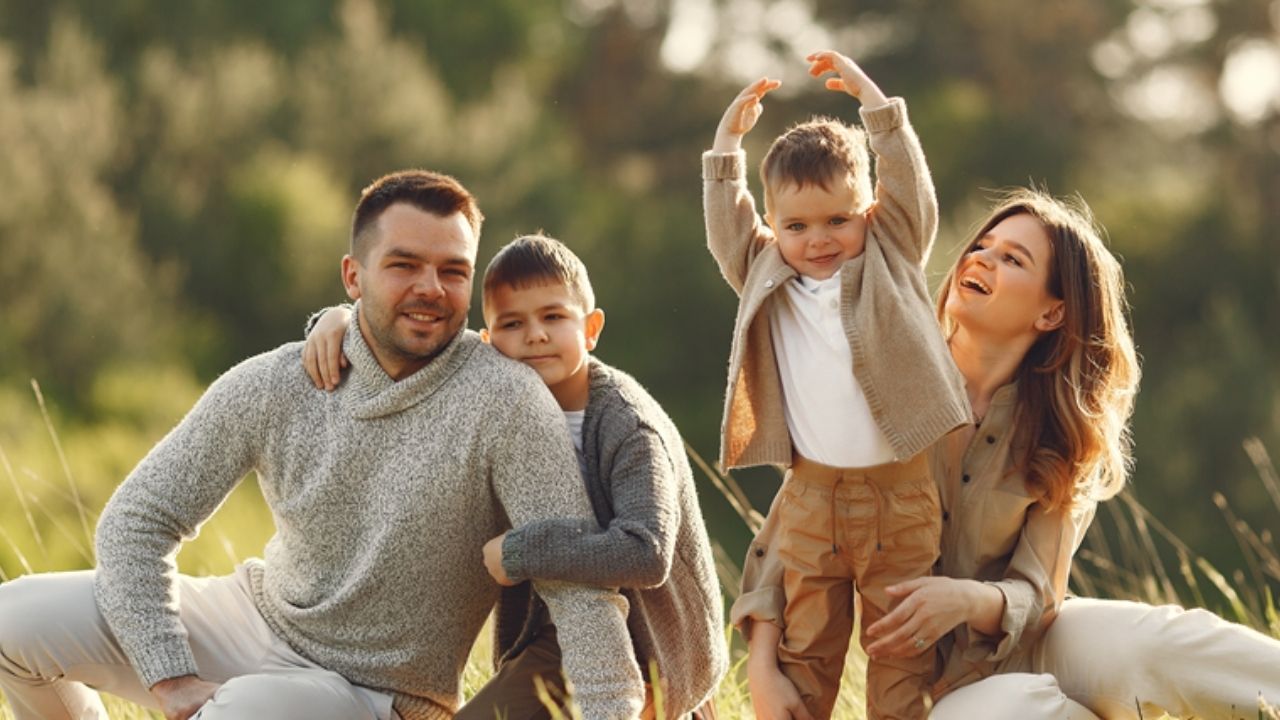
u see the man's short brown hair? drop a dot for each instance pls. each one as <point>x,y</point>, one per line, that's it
<point>821,151</point>
<point>533,260</point>
<point>432,192</point>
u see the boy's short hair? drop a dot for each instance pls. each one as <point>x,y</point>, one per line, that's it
<point>821,151</point>
<point>532,260</point>
<point>431,192</point>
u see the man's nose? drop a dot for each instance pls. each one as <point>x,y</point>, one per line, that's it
<point>428,284</point>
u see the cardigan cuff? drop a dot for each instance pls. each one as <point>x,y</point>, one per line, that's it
<point>724,166</point>
<point>884,117</point>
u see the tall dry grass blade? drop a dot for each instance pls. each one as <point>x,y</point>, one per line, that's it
<point>729,571</point>
<point>22,560</point>
<point>1155,566</point>
<point>737,499</point>
<point>1242,613</point>
<point>1189,576</point>
<point>77,542</point>
<point>1238,528</point>
<point>1257,453</point>
<point>62,458</point>
<point>22,502</point>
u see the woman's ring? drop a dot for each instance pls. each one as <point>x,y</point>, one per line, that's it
<point>920,643</point>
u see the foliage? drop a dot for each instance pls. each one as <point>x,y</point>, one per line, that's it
<point>177,179</point>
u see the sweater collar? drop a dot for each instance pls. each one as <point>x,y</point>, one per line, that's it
<point>370,391</point>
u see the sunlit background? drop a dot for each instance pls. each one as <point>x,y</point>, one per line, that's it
<point>176,181</point>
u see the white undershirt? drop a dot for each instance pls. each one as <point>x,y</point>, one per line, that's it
<point>573,418</point>
<point>827,412</point>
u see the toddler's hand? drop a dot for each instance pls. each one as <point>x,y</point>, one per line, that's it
<point>773,695</point>
<point>851,79</point>
<point>322,354</point>
<point>742,114</point>
<point>493,561</point>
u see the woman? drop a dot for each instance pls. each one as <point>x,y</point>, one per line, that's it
<point>1034,314</point>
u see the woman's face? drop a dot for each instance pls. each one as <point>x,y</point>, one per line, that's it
<point>1000,286</point>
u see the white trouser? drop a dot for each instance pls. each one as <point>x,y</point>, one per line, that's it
<point>56,649</point>
<point>1113,659</point>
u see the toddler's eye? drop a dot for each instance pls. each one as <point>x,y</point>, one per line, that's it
<point>796,227</point>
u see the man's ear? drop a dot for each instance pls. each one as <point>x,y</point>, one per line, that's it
<point>1052,318</point>
<point>351,276</point>
<point>484,336</point>
<point>593,325</point>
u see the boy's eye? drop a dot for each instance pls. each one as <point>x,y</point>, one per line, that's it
<point>509,325</point>
<point>555,316</point>
<point>795,227</point>
<point>839,220</point>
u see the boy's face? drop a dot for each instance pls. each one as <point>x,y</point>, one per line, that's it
<point>545,327</point>
<point>817,229</point>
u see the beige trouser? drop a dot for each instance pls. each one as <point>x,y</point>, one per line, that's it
<point>56,649</point>
<point>1113,659</point>
<point>841,528</point>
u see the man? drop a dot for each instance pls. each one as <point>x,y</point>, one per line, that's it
<point>383,493</point>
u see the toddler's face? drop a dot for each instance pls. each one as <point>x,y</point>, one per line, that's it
<point>817,229</point>
<point>544,327</point>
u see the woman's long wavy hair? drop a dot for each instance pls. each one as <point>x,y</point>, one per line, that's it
<point>1076,384</point>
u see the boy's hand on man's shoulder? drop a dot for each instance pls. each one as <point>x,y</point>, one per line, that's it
<point>493,561</point>
<point>849,78</point>
<point>742,114</point>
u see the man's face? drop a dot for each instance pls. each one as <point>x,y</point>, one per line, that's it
<point>414,287</point>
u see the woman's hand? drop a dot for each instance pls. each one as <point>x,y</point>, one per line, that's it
<point>322,354</point>
<point>931,607</point>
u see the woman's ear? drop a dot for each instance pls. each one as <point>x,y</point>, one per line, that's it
<point>1052,318</point>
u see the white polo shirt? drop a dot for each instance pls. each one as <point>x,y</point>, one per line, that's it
<point>827,413</point>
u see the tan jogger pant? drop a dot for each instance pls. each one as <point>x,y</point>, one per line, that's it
<point>56,649</point>
<point>1112,659</point>
<point>844,528</point>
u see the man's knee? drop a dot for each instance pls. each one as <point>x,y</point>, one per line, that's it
<point>313,695</point>
<point>36,608</point>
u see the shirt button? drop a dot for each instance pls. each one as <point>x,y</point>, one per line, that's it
<point>759,552</point>
<point>768,283</point>
<point>945,516</point>
<point>965,479</point>
<point>991,439</point>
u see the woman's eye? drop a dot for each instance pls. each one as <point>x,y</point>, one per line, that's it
<point>1013,259</point>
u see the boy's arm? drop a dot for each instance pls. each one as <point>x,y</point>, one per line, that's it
<point>905,213</point>
<point>534,474</point>
<point>322,356</point>
<point>734,230</point>
<point>634,551</point>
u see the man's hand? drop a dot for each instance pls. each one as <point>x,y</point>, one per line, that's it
<point>493,561</point>
<point>322,354</point>
<point>851,79</point>
<point>181,697</point>
<point>741,115</point>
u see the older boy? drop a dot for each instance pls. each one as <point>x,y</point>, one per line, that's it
<point>837,371</point>
<point>540,310</point>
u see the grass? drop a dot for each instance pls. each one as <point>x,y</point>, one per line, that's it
<point>54,482</point>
